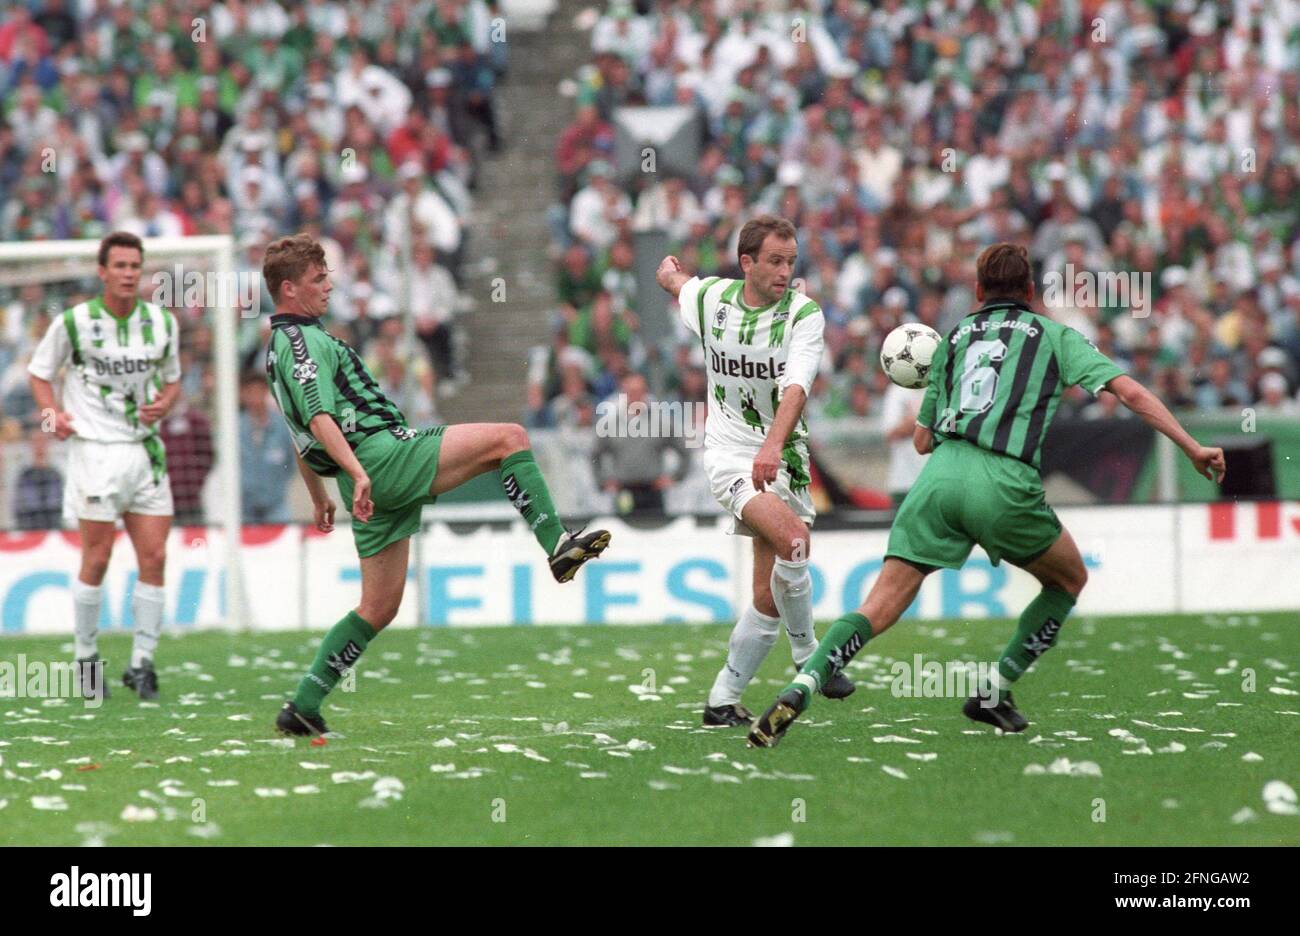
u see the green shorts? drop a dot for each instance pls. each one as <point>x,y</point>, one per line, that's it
<point>401,472</point>
<point>967,495</point>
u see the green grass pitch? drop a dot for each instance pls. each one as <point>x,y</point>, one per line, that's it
<point>550,735</point>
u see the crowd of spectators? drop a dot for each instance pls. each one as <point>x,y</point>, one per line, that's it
<point>364,123</point>
<point>902,136</point>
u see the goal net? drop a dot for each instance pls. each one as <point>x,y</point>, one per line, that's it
<point>197,280</point>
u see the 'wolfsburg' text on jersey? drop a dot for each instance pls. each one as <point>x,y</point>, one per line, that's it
<point>751,356</point>
<point>999,374</point>
<point>312,372</point>
<point>115,366</point>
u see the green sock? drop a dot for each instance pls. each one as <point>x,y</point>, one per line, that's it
<point>1039,624</point>
<point>527,490</point>
<point>847,636</point>
<point>338,652</point>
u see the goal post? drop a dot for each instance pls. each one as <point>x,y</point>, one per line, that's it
<point>196,273</point>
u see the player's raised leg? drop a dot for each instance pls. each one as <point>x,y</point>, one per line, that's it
<point>1061,572</point>
<point>789,581</point>
<point>383,580</point>
<point>894,589</point>
<point>471,449</point>
<point>747,648</point>
<point>148,535</point>
<point>87,603</point>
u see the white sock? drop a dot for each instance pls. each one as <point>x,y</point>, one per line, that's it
<point>147,604</point>
<point>751,639</point>
<point>86,601</point>
<point>792,592</point>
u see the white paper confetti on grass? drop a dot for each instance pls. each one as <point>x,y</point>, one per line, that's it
<point>593,775</point>
<point>444,742</point>
<point>309,765</point>
<point>527,752</point>
<point>1280,798</point>
<point>1252,757</point>
<point>684,771</point>
<point>1245,814</point>
<point>919,756</point>
<point>207,831</point>
<point>223,783</point>
<point>134,813</point>
<point>583,695</point>
<point>1282,690</point>
<point>442,768</point>
<point>895,739</point>
<point>636,744</point>
<point>49,803</point>
<point>276,742</point>
<point>348,776</point>
<point>1064,767</point>
<point>653,784</point>
<point>269,792</point>
<point>1173,747</point>
<point>306,788</point>
<point>893,771</point>
<point>780,840</point>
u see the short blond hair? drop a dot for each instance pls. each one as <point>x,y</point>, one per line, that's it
<point>289,258</point>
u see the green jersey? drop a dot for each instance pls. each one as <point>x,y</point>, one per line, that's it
<point>312,372</point>
<point>999,374</point>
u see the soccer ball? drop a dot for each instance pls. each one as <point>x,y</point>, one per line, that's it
<point>907,352</point>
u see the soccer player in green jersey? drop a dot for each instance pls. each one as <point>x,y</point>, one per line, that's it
<point>344,427</point>
<point>994,387</point>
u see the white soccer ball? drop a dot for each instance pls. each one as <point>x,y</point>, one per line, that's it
<point>907,352</point>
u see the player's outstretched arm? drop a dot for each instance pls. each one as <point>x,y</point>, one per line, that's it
<point>922,440</point>
<point>328,434</point>
<point>671,276</point>
<point>1208,461</point>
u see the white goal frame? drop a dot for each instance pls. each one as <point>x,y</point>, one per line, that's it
<point>221,249</point>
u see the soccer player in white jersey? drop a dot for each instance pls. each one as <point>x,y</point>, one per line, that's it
<point>123,375</point>
<point>762,344</point>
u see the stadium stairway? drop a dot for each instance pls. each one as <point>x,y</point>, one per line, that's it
<point>509,236</point>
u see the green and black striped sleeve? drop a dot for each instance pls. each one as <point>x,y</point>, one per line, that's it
<point>306,368</point>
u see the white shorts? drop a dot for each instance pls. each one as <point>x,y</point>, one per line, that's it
<point>108,479</point>
<point>731,479</point>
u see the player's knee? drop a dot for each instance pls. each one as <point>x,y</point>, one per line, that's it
<point>796,543</point>
<point>512,438</point>
<point>93,569</point>
<point>1076,579</point>
<point>152,562</point>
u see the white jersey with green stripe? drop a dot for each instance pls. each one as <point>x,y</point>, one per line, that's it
<point>114,366</point>
<point>752,356</point>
